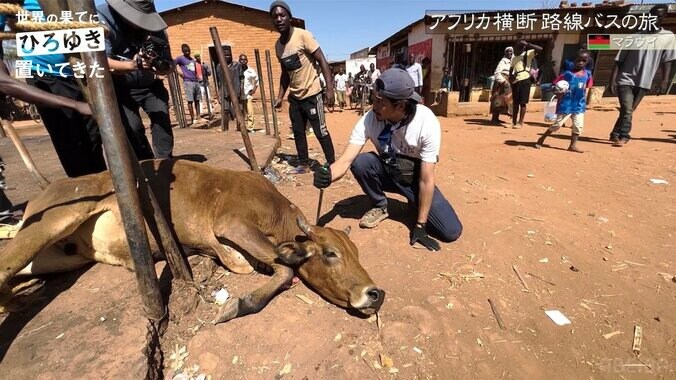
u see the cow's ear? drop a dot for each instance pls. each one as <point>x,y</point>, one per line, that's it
<point>293,253</point>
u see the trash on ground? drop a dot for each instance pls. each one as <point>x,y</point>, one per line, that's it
<point>557,317</point>
<point>221,296</point>
<point>656,181</point>
<point>612,334</point>
<point>638,339</point>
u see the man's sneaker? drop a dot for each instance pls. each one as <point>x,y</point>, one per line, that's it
<point>615,139</point>
<point>373,217</point>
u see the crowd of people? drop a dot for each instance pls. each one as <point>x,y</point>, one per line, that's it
<point>405,132</point>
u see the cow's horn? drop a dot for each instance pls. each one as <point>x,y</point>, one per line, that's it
<point>304,225</point>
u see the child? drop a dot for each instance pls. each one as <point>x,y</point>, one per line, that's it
<point>446,85</point>
<point>573,102</point>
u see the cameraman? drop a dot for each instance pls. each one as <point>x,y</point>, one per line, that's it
<point>138,51</point>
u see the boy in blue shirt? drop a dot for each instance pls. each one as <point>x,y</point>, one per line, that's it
<point>573,102</point>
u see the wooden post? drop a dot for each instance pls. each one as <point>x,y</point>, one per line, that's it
<point>272,93</point>
<point>235,99</point>
<point>262,87</point>
<point>104,105</point>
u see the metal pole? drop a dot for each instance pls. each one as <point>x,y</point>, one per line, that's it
<point>25,156</point>
<point>233,96</point>
<point>272,93</point>
<point>104,102</point>
<point>262,86</point>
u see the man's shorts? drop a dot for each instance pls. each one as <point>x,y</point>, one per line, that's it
<point>340,96</point>
<point>192,91</point>
<point>578,122</point>
<point>521,92</point>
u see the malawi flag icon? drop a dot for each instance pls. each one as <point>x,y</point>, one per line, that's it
<point>598,41</point>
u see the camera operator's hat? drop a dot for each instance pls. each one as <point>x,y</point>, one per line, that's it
<point>140,13</point>
<point>397,84</point>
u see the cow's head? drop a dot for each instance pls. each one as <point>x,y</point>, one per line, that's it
<point>329,262</point>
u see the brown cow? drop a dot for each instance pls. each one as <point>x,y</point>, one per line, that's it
<point>77,220</point>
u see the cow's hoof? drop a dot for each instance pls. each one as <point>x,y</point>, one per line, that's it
<point>228,311</point>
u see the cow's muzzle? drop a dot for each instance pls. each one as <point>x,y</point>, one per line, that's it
<point>371,301</point>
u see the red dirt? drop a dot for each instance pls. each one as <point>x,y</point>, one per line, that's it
<point>544,211</point>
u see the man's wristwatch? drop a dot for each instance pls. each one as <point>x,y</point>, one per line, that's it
<point>421,225</point>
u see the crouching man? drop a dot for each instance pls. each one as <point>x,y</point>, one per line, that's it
<point>407,137</point>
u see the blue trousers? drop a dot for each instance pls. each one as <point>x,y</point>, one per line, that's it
<point>370,173</point>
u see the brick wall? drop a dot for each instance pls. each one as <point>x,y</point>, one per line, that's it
<point>244,29</point>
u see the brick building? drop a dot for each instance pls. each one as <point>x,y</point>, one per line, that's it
<point>242,28</point>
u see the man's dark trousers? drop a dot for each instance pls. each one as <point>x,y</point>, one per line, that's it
<point>630,98</point>
<point>369,171</point>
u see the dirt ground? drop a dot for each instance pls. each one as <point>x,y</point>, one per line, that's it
<point>589,234</point>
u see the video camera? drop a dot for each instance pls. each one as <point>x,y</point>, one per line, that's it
<point>152,49</point>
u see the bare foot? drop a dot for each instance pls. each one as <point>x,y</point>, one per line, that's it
<point>574,149</point>
<point>517,126</point>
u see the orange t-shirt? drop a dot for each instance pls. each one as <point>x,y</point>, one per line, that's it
<point>296,58</point>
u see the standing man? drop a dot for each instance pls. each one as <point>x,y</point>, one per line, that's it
<point>250,86</point>
<point>416,72</point>
<point>634,72</point>
<point>187,70</point>
<point>341,86</point>
<point>521,80</point>
<point>130,24</point>
<point>373,73</point>
<point>73,131</point>
<point>297,50</point>
<point>203,74</point>
<point>407,137</point>
<point>237,76</point>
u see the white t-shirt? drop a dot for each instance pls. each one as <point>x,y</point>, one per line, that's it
<point>341,81</point>
<point>375,75</point>
<point>250,81</point>
<point>415,71</point>
<point>421,138</point>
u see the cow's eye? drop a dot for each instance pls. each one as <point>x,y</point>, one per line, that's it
<point>330,255</point>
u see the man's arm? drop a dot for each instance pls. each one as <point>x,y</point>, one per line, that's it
<point>340,167</point>
<point>613,78</point>
<point>22,91</point>
<point>663,87</point>
<point>326,71</point>
<point>283,86</point>
<point>537,48</point>
<point>426,191</point>
<point>179,71</point>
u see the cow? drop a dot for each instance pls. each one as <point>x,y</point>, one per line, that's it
<point>77,220</point>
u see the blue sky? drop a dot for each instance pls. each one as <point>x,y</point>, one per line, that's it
<point>343,27</point>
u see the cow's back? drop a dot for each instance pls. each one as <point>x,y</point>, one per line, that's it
<point>200,194</point>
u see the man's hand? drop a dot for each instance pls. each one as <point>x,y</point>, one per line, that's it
<point>83,108</point>
<point>322,177</point>
<point>662,88</point>
<point>278,104</point>
<point>141,62</point>
<point>613,88</point>
<point>330,98</point>
<point>419,235</point>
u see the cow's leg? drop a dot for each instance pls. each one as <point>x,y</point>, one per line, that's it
<point>232,259</point>
<point>254,242</point>
<point>39,231</point>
